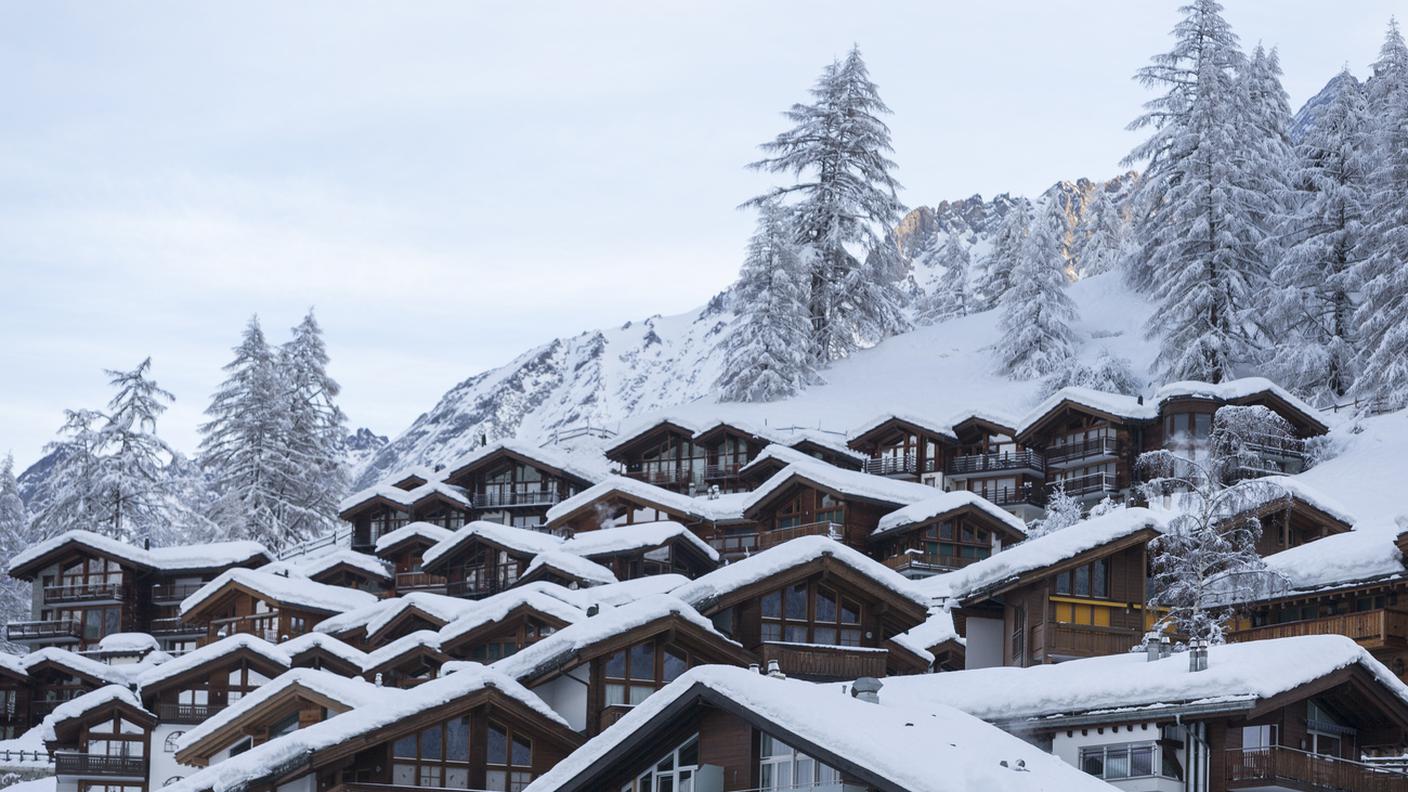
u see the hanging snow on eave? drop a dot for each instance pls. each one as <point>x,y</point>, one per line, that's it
<point>945,502</point>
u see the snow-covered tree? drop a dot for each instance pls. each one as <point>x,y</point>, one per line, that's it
<point>244,445</point>
<point>1390,77</point>
<point>1037,313</point>
<point>1194,229</point>
<point>1312,294</point>
<point>1109,373</point>
<point>766,356</point>
<point>14,536</point>
<point>1062,511</point>
<point>950,296</point>
<point>1005,255</point>
<point>1267,160</point>
<point>1101,239</point>
<point>75,499</point>
<point>130,481</point>
<point>845,201</point>
<point>316,427</point>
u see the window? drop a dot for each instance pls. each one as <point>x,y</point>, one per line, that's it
<point>1115,762</point>
<point>509,758</point>
<point>811,613</point>
<point>633,674</point>
<point>171,739</point>
<point>116,736</point>
<point>436,756</point>
<point>1263,736</point>
<point>948,542</point>
<point>673,773</point>
<point>1087,580</point>
<point>241,746</point>
<point>780,766</point>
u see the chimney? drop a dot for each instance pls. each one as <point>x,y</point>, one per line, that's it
<point>775,670</point>
<point>593,609</point>
<point>1152,650</point>
<point>1141,399</point>
<point>1165,646</point>
<point>378,679</point>
<point>1197,655</point>
<point>867,689</point>
<point>755,668</point>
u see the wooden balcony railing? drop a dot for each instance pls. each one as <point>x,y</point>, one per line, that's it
<point>1089,484</point>
<point>826,662</point>
<point>1028,494</point>
<point>188,713</point>
<point>411,581</point>
<point>1054,639</point>
<point>174,626</point>
<point>174,592</point>
<point>779,535</point>
<point>663,475</point>
<point>519,496</point>
<point>265,625</point>
<point>43,630</point>
<point>975,464</point>
<point>1085,449</point>
<point>892,465</point>
<point>83,592</point>
<point>1278,767</point>
<point>905,561</point>
<point>80,764</point>
<point>1375,627</point>
<point>725,471</point>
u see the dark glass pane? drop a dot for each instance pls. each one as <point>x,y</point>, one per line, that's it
<point>1083,581</point>
<point>1063,583</point>
<point>675,664</point>
<point>797,601</point>
<point>522,752</point>
<point>497,745</point>
<point>1097,582</point>
<point>850,612</point>
<point>772,604</point>
<point>430,742</point>
<point>825,605</point>
<point>457,740</point>
<point>406,746</point>
<point>616,666</point>
<point>643,661</point>
<point>689,753</point>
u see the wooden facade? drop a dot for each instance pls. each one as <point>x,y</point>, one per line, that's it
<point>240,609</point>
<point>944,542</point>
<point>407,569</point>
<point>108,745</point>
<point>801,507</point>
<point>902,448</point>
<point>293,707</point>
<point>664,455</point>
<point>511,488</point>
<point>197,693</point>
<point>494,640</point>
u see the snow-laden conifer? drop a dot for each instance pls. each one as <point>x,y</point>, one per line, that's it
<point>1005,255</point>
<point>1102,236</point>
<point>15,536</point>
<point>315,428</point>
<point>950,258</point>
<point>131,481</point>
<point>1037,313</point>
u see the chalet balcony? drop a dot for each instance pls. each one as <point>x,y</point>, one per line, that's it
<point>815,661</point>
<point>509,497</point>
<point>88,592</point>
<point>1278,767</point>
<point>187,713</point>
<point>978,465</point>
<point>1374,629</point>
<point>1091,484</point>
<point>1083,452</point>
<point>419,581</point>
<point>1027,495</point>
<point>55,631</point>
<point>80,764</point>
<point>1054,639</point>
<point>926,562</point>
<point>264,625</point>
<point>174,592</point>
<point>723,472</point>
<point>777,536</point>
<point>892,465</point>
<point>174,626</point>
<point>667,476</point>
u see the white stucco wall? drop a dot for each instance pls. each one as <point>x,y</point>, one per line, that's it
<point>163,762</point>
<point>984,648</point>
<point>567,695</point>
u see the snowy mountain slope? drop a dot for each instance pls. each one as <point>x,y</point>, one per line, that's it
<point>1304,118</point>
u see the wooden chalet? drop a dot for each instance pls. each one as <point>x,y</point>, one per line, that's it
<point>321,652</point>
<point>484,558</point>
<point>515,484</point>
<point>819,609</point>
<point>15,692</point>
<point>349,569</point>
<point>203,682</point>
<point>948,531</point>
<point>405,662</point>
<point>663,454</point>
<point>618,502</point>
<point>55,676</point>
<point>383,508</point>
<point>102,741</point>
<point>568,570</point>
<point>413,612</point>
<point>404,550</point>
<point>905,447</point>
<point>505,623</point>
<point>642,549</point>
<point>1089,441</point>
<point>988,461</point>
<point>271,606</point>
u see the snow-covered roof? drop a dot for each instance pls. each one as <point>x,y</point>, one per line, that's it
<point>284,589</point>
<point>427,639</point>
<point>788,555</point>
<point>1368,552</point>
<point>167,559</point>
<point>935,630</point>
<point>627,538</point>
<point>919,747</point>
<point>990,416</point>
<point>495,608</point>
<point>632,431</point>
<point>930,425</point>
<point>79,706</point>
<point>1302,491</point>
<point>785,455</point>
<point>425,530</point>
<point>1117,404</point>
<point>442,607</point>
<point>274,756</point>
<point>14,664</point>
<point>128,642</point>
<point>700,508</point>
<point>1040,552</point>
<point>943,503</point>
<point>570,565</point>
<point>831,441</point>
<point>1250,671</point>
<point>315,565</point>
<point>316,640</point>
<point>521,540</point>
<point>117,675</point>
<point>406,498</point>
<point>211,653</point>
<point>349,691</point>
<point>617,594</point>
<point>850,483</point>
<point>557,650</point>
<point>1234,390</point>
<point>586,467</point>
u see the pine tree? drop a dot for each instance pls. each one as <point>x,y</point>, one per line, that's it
<point>14,537</point>
<point>1263,173</point>
<point>844,201</point>
<point>1006,254</point>
<point>1036,317</point>
<point>244,445</point>
<point>1312,302</point>
<point>1109,373</point>
<point>950,296</point>
<point>315,429</point>
<point>765,357</point>
<point>75,499</point>
<point>1195,230</point>
<point>1390,77</point>
<point>1102,236</point>
<point>131,482</point>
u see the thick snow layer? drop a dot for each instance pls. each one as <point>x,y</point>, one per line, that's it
<point>1365,470</point>
<point>128,642</point>
<point>407,643</point>
<point>117,675</point>
<point>699,508</point>
<point>13,663</point>
<point>558,649</point>
<point>931,425</point>
<point>166,559</point>
<point>520,539</point>
<point>212,653</point>
<point>424,530</point>
<point>82,705</point>
<point>630,430</point>
<point>617,594</point>
<point>991,416</point>
<point>639,536</point>
<point>406,498</point>
<point>934,631</point>
<point>1366,553</point>
<point>1307,493</point>
<point>850,483</point>
<point>287,590</point>
<point>1231,390</point>
<point>942,503</point>
<point>350,692</point>
<point>571,565</point>
<point>1040,552</point>
<point>495,608</point>
<point>921,747</point>
<point>316,640</point>
<point>1236,672</point>
<point>788,555</point>
<point>282,754</point>
<point>1119,405</point>
<point>444,608</point>
<point>589,466</point>
<point>781,453</point>
<point>310,567</point>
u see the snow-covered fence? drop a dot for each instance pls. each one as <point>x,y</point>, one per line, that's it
<point>561,435</point>
<point>338,538</point>
<point>1375,406</point>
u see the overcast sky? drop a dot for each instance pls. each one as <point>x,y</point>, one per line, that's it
<point>451,183</point>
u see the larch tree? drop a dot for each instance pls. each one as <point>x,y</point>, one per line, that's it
<point>315,427</point>
<point>14,536</point>
<point>766,355</point>
<point>131,480</point>
<point>845,202</point>
<point>1005,255</point>
<point>1037,313</point>
<point>75,500</point>
<point>950,296</point>
<point>1102,238</point>
<point>1312,294</point>
<point>1195,230</point>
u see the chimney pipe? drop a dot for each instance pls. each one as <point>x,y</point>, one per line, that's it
<point>378,679</point>
<point>867,689</point>
<point>1151,647</point>
<point>1197,655</point>
<point>1165,646</point>
<point>775,670</point>
<point>755,668</point>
